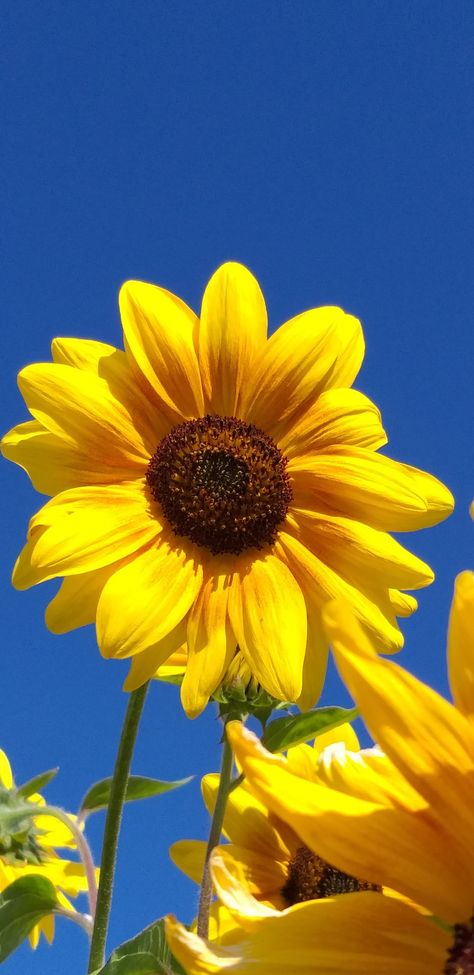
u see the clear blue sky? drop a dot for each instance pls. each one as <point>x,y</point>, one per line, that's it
<point>328,146</point>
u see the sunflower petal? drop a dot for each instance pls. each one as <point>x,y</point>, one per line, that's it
<point>79,408</point>
<point>338,416</point>
<point>267,610</point>
<point>189,857</point>
<point>381,936</point>
<point>211,642</point>
<point>144,666</point>
<point>75,603</point>
<point>232,330</point>
<point>316,350</point>
<point>84,529</point>
<point>158,329</point>
<point>461,644</point>
<point>148,597</point>
<point>427,739</point>
<point>242,878</point>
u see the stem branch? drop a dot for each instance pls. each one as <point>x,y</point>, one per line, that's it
<point>112,825</point>
<point>205,895</point>
<point>83,849</point>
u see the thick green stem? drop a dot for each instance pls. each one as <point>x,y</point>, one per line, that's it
<point>205,895</point>
<point>112,826</point>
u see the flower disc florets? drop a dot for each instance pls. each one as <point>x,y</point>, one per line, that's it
<point>222,483</point>
<point>461,954</point>
<point>310,878</point>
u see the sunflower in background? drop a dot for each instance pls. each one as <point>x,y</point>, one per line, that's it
<point>402,819</point>
<point>212,488</point>
<point>34,853</point>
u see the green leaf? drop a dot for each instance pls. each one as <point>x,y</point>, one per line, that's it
<point>22,905</point>
<point>297,728</point>
<point>37,783</point>
<point>139,787</point>
<point>146,954</point>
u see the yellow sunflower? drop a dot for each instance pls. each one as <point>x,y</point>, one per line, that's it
<point>265,856</point>
<point>406,824</point>
<point>37,855</point>
<point>213,489</point>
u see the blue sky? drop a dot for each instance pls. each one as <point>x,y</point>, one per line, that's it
<point>329,147</point>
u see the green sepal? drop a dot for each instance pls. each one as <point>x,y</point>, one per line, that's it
<point>145,954</point>
<point>294,729</point>
<point>22,905</point>
<point>139,787</point>
<point>18,834</point>
<point>37,783</point>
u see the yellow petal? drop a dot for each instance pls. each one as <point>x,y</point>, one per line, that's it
<point>210,639</point>
<point>189,856</point>
<point>232,329</point>
<point>357,550</point>
<point>338,416</point>
<point>242,878</point>
<point>148,597</point>
<point>344,734</point>
<point>363,485</point>
<point>356,934</point>
<point>112,366</point>
<point>158,329</point>
<point>325,584</point>
<point>383,839</point>
<point>402,602</point>
<point>247,822</point>
<point>6,777</point>
<point>428,740</point>
<point>316,653</point>
<point>84,529</point>
<point>53,465</point>
<point>317,350</point>
<point>79,407</point>
<point>268,616</point>
<point>75,603</point>
<point>145,665</point>
<point>438,498</point>
<point>461,644</point>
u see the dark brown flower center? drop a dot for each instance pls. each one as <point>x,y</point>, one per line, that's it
<point>461,954</point>
<point>310,877</point>
<point>221,482</point>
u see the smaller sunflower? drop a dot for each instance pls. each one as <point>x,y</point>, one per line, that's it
<point>36,855</point>
<point>403,819</point>
<point>265,858</point>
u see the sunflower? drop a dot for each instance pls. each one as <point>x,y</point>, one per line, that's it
<point>35,854</point>
<point>211,489</point>
<point>265,855</point>
<point>407,825</point>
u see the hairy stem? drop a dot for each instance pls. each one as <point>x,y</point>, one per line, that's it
<point>205,895</point>
<point>83,849</point>
<point>112,826</point>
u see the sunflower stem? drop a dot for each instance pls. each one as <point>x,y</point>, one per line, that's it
<point>112,826</point>
<point>217,820</point>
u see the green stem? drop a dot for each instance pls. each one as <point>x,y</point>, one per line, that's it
<point>205,895</point>
<point>112,826</point>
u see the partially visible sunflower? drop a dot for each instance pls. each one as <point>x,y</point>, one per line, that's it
<point>35,854</point>
<point>406,824</point>
<point>265,858</point>
<point>213,489</point>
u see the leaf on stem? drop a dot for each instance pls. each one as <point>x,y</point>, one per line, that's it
<point>139,787</point>
<point>146,954</point>
<point>294,729</point>
<point>37,783</point>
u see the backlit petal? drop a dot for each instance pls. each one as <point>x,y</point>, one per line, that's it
<point>267,610</point>
<point>158,329</point>
<point>145,599</point>
<point>232,329</point>
<point>144,666</point>
<point>461,644</point>
<point>211,642</point>
<point>338,416</point>
<point>317,350</point>
<point>84,529</point>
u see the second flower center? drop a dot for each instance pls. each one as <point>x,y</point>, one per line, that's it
<point>222,483</point>
<point>310,878</point>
